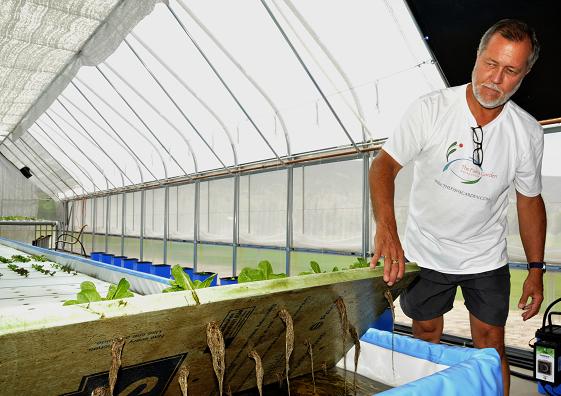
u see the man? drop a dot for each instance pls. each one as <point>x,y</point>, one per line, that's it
<point>468,144</point>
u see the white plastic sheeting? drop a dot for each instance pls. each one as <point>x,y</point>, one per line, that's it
<point>192,89</point>
<point>44,44</point>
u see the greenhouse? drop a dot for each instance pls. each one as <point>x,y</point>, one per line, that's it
<point>145,145</point>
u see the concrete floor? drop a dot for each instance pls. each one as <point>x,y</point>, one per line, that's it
<point>521,387</point>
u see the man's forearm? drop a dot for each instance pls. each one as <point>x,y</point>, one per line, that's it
<point>532,225</point>
<point>382,189</point>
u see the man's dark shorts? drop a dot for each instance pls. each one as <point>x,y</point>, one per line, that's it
<point>432,293</point>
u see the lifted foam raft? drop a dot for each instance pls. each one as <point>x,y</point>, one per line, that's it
<point>67,349</point>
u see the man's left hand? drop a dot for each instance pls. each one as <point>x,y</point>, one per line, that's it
<point>532,288</point>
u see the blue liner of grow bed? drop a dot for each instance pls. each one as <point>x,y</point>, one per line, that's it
<point>470,372</point>
<point>130,263</point>
<point>144,266</point>
<point>189,271</point>
<point>96,256</point>
<point>107,258</point>
<point>118,260</point>
<point>202,276</point>
<point>163,270</point>
<point>229,280</point>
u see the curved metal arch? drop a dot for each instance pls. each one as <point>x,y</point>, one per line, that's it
<point>224,84</point>
<point>91,138</point>
<point>40,170</point>
<point>87,174</point>
<point>333,61</point>
<point>113,129</point>
<point>131,108</point>
<point>50,168</point>
<point>243,71</point>
<point>295,52</point>
<point>124,146</point>
<point>163,117</point>
<point>177,106</point>
<point>99,169</point>
<point>30,134</point>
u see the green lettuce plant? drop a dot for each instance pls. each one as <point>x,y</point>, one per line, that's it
<point>20,259</point>
<point>264,271</point>
<point>88,293</point>
<point>316,269</point>
<point>181,281</point>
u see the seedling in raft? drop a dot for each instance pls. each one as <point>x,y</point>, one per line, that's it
<point>264,271</point>
<point>64,268</point>
<point>41,268</point>
<point>41,258</point>
<point>182,282</point>
<point>18,270</point>
<point>316,269</point>
<point>5,260</point>
<point>20,259</point>
<point>88,293</point>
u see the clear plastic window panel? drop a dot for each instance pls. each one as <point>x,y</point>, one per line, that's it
<point>115,214</point>
<point>181,220</point>
<point>133,213</point>
<point>262,218</point>
<point>327,212</point>
<point>217,210</point>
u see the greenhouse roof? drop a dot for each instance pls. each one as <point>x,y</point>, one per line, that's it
<point>103,95</point>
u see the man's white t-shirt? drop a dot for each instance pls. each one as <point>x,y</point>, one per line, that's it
<point>457,220</point>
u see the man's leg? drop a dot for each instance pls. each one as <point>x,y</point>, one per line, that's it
<point>485,335</point>
<point>429,330</point>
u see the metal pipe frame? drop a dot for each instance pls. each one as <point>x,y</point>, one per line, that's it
<point>74,176</point>
<point>53,194</point>
<point>131,108</point>
<point>242,71</point>
<point>215,71</point>
<point>107,220</point>
<point>94,163</point>
<point>236,224</point>
<point>194,95</point>
<point>123,219</point>
<point>123,145</point>
<point>153,76</point>
<point>162,116</point>
<point>87,174</point>
<point>281,30</point>
<point>166,223</point>
<point>359,113</point>
<point>177,106</point>
<point>289,223</point>
<point>196,227</point>
<point>48,166</point>
<point>113,129</point>
<point>94,141</point>
<point>94,221</point>
<point>36,167</point>
<point>142,222</point>
<point>365,206</point>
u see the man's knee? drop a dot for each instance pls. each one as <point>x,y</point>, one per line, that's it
<point>488,336</point>
<point>428,330</point>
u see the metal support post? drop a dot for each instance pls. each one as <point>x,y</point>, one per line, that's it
<point>107,221</point>
<point>289,224</point>
<point>236,236</point>
<point>142,220</point>
<point>123,219</point>
<point>166,223</point>
<point>365,206</point>
<point>196,228</point>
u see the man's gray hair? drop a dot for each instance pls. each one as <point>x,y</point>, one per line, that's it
<point>513,30</point>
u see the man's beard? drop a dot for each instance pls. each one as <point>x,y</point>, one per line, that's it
<point>491,104</point>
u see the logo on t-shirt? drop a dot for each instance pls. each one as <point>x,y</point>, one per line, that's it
<point>463,167</point>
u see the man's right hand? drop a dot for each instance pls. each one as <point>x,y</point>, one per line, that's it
<point>388,247</point>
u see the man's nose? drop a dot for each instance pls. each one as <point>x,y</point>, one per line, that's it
<point>497,76</point>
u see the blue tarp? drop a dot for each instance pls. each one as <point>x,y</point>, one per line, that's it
<point>471,371</point>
